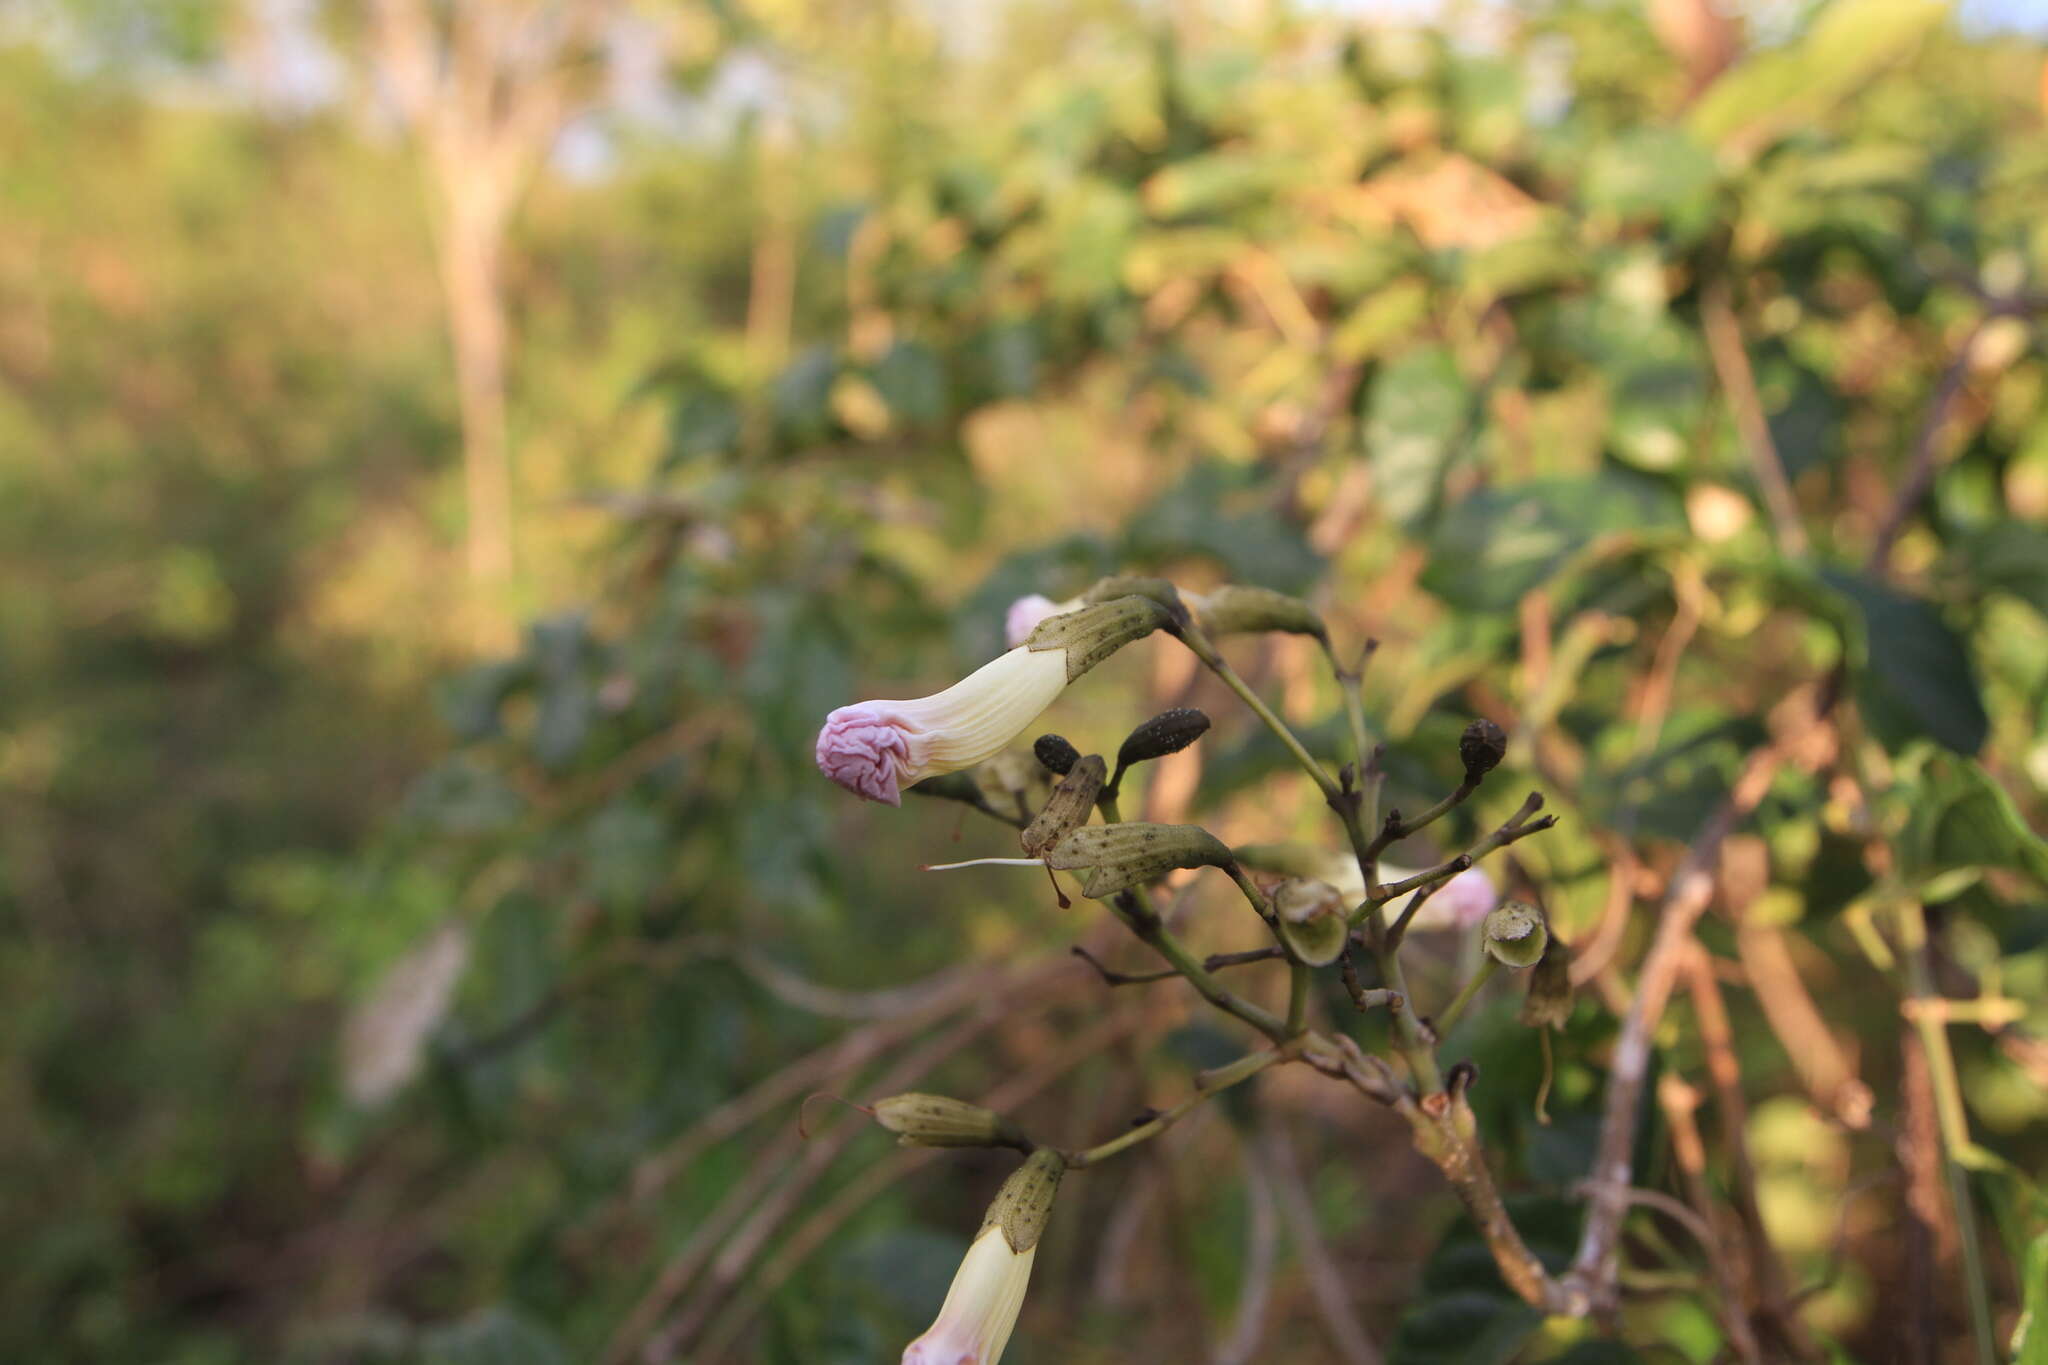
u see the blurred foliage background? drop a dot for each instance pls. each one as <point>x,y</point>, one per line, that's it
<point>452,456</point>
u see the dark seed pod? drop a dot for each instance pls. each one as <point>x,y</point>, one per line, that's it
<point>1481,748</point>
<point>1166,733</point>
<point>1056,754</point>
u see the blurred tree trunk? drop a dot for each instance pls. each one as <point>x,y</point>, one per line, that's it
<point>485,87</point>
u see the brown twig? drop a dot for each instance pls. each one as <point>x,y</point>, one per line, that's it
<point>1692,886</point>
<point>1738,382</point>
<point>1680,1103</point>
<point>1926,450</point>
<point>1333,1297</point>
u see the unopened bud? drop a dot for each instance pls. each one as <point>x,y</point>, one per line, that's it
<point>1093,633</point>
<point>1235,609</point>
<point>1126,584</point>
<point>1119,857</point>
<point>1056,753</point>
<point>921,1120</point>
<point>1072,802</point>
<point>1312,920</point>
<point>1549,1002</point>
<point>1515,934</point>
<point>1481,748</point>
<point>1166,733</point>
<point>1025,1201</point>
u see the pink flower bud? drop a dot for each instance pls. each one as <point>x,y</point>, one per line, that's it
<point>981,1308</point>
<point>1026,612</point>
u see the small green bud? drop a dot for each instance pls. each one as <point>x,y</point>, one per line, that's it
<point>1549,1002</point>
<point>1312,920</point>
<point>1093,633</point>
<point>1481,748</point>
<point>1516,935</point>
<point>921,1120</point>
<point>1119,857</point>
<point>1022,1205</point>
<point>1166,733</point>
<point>1056,754</point>
<point>1235,609</point>
<point>1072,802</point>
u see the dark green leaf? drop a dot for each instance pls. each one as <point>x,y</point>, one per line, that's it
<point>1499,543</point>
<point>1418,409</point>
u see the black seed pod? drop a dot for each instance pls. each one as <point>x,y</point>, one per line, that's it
<point>1056,754</point>
<point>1166,733</point>
<point>1481,748</point>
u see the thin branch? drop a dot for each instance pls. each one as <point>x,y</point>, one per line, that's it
<point>1738,381</point>
<point>1926,449</point>
<point>1326,1282</point>
<point>1213,962</point>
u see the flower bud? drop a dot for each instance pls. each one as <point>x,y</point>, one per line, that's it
<point>987,1293</point>
<point>1481,748</point>
<point>1235,609</point>
<point>1515,934</point>
<point>921,1120</point>
<point>1072,802</point>
<point>1024,1202</point>
<point>1119,857</point>
<point>1549,1002</point>
<point>1026,612</point>
<point>1123,585</point>
<point>1166,733</point>
<point>1312,920</point>
<point>1056,753</point>
<point>1088,636</point>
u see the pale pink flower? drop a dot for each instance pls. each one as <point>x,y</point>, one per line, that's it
<point>981,1308</point>
<point>1459,903</point>
<point>877,748</point>
<point>1026,612</point>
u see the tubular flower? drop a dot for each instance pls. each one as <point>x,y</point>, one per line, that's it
<point>877,748</point>
<point>982,1306</point>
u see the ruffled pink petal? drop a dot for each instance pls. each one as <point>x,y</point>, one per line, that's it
<point>865,752</point>
<point>1467,898</point>
<point>1024,615</point>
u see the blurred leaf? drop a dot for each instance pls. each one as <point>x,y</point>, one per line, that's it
<point>495,1336</point>
<point>912,382</point>
<point>567,696</point>
<point>1658,173</point>
<point>1913,673</point>
<point>702,422</point>
<point>1500,542</point>
<point>1225,515</point>
<point>2030,1334</point>
<point>2010,556</point>
<point>1961,817</point>
<point>802,396</point>
<point>1463,1328</point>
<point>1418,409</point>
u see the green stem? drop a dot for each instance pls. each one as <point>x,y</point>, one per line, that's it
<point>1297,998</point>
<point>1144,921</point>
<point>1954,1122</point>
<point>1220,666</point>
<point>1212,1083</point>
<point>1486,969</point>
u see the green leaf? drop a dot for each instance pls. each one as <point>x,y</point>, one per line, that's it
<point>912,382</point>
<point>1463,1328</point>
<point>1226,515</point>
<point>1913,674</point>
<point>1418,409</point>
<point>802,395</point>
<point>1501,542</point>
<point>1962,818</point>
<point>1653,173</point>
<point>2008,556</point>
